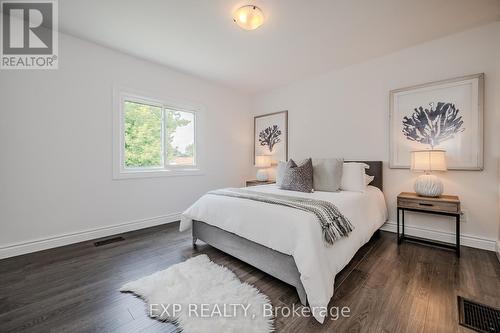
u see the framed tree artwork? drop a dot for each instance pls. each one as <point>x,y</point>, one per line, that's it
<point>445,115</point>
<point>271,136</point>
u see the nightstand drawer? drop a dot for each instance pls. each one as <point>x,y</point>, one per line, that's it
<point>432,205</point>
<point>258,182</point>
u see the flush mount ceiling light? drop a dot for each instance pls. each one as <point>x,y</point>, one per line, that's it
<point>249,17</point>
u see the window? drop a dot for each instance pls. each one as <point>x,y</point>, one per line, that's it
<point>155,138</point>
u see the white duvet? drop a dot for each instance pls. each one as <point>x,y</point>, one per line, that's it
<point>297,233</point>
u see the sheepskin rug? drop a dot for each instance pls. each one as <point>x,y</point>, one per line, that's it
<point>201,296</point>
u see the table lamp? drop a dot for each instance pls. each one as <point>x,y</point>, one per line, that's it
<point>428,185</point>
<point>262,162</point>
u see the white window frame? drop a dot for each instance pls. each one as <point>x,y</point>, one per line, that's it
<point>119,170</point>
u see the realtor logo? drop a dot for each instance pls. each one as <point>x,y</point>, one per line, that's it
<point>29,35</point>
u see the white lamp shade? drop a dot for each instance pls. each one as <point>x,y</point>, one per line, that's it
<point>262,161</point>
<point>428,160</point>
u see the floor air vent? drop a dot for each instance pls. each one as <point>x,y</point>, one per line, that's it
<point>109,241</point>
<point>478,317</point>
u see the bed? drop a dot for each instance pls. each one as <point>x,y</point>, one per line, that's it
<point>287,243</point>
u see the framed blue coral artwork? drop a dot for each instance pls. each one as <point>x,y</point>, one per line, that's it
<point>271,136</point>
<point>444,115</point>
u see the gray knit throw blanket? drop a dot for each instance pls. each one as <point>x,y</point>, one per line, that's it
<point>333,223</point>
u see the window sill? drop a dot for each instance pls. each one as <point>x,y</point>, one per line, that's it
<point>156,173</point>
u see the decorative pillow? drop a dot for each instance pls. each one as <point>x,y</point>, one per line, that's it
<point>353,177</point>
<point>327,174</point>
<point>298,177</point>
<point>280,172</point>
<point>368,179</point>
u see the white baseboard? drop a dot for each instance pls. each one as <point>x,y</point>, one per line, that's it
<point>443,236</point>
<point>16,249</point>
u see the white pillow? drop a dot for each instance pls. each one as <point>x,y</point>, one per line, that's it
<point>368,179</point>
<point>353,177</point>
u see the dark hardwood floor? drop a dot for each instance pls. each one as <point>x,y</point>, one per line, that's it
<point>412,288</point>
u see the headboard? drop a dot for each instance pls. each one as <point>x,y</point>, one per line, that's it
<point>374,170</point>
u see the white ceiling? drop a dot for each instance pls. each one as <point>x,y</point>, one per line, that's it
<point>299,38</point>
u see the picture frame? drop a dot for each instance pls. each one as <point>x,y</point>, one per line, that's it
<point>446,115</point>
<point>271,136</point>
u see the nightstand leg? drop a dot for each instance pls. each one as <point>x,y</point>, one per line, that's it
<point>457,230</point>
<point>397,223</point>
<point>403,223</point>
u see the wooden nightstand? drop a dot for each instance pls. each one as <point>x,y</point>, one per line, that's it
<point>258,182</point>
<point>448,205</point>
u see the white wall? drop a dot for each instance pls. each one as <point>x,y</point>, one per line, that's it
<point>56,182</point>
<point>345,113</point>
<point>498,162</point>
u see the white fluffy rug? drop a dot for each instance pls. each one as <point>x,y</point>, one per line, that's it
<point>201,296</point>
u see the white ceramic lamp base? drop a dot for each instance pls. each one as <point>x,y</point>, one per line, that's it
<point>428,186</point>
<point>262,175</point>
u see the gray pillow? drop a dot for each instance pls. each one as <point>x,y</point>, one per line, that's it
<point>327,174</point>
<point>280,172</point>
<point>298,177</point>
